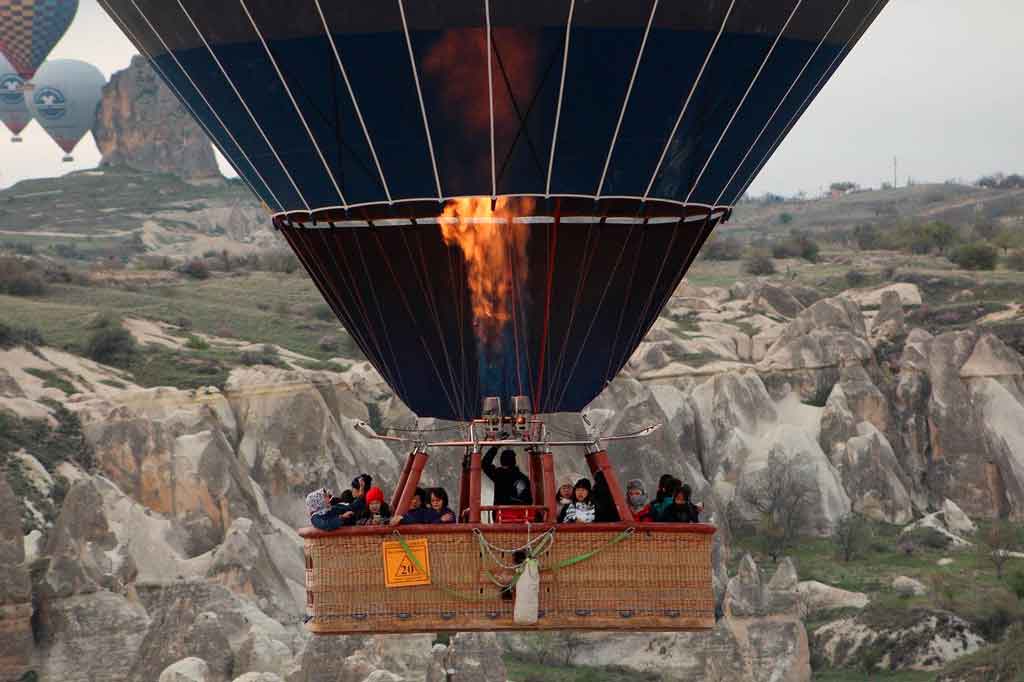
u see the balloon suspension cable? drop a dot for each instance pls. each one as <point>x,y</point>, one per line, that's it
<point>592,444</point>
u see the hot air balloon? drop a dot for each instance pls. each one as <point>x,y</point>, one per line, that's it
<point>29,30</point>
<point>497,198</point>
<point>13,112</point>
<point>64,100</point>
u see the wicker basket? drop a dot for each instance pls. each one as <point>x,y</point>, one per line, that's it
<point>624,577</point>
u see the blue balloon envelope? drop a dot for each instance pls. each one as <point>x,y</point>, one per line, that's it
<point>497,197</point>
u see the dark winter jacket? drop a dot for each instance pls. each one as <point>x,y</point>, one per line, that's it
<point>602,498</point>
<point>421,515</point>
<point>511,486</point>
<point>681,513</point>
<point>439,516</point>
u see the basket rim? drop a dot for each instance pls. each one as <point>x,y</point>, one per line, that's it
<point>310,533</point>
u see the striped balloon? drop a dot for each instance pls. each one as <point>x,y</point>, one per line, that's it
<point>29,30</point>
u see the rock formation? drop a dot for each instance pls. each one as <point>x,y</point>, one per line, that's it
<point>141,124</point>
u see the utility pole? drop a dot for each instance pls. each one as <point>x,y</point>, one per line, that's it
<point>895,176</point>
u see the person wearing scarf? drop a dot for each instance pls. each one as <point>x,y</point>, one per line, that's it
<point>636,496</point>
<point>327,512</point>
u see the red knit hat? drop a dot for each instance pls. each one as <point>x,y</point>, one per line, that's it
<point>374,494</point>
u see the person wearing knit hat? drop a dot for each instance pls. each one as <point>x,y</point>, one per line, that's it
<point>564,495</point>
<point>376,512</point>
<point>636,496</point>
<point>581,509</point>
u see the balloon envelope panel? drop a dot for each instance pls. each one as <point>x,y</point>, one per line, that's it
<point>625,130</point>
<point>322,104</point>
<point>64,100</point>
<point>30,29</point>
<point>13,111</point>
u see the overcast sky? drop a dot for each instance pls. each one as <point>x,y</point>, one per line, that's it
<point>939,84</point>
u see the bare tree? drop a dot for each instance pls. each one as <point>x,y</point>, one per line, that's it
<point>782,493</point>
<point>996,544</point>
<point>850,536</point>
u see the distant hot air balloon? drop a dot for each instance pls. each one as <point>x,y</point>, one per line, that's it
<point>29,30</point>
<point>64,100</point>
<point>13,111</point>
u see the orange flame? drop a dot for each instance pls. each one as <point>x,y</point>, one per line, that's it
<point>494,248</point>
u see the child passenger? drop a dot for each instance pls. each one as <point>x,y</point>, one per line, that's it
<point>439,505</point>
<point>581,509</point>
<point>564,496</point>
<point>376,512</point>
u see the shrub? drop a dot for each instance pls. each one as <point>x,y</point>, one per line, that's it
<point>926,537</point>
<point>111,346</point>
<point>19,336</point>
<point>196,343</point>
<point>1015,261</point>
<point>975,257</point>
<point>265,355</point>
<point>196,269</point>
<point>1017,584</point>
<point>855,278</point>
<point>797,245</point>
<point>322,311</point>
<point>728,248</point>
<point>850,536</point>
<point>758,265</point>
<point>20,278</point>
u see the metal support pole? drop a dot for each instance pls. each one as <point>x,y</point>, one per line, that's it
<point>464,489</point>
<point>397,495</point>
<point>598,461</point>
<point>549,499</point>
<point>475,470</point>
<point>419,462</point>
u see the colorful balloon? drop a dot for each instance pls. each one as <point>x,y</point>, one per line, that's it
<point>497,197</point>
<point>29,30</point>
<point>64,100</point>
<point>13,111</point>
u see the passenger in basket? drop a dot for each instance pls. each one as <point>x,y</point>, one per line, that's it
<point>662,492</point>
<point>419,509</point>
<point>582,509</point>
<point>327,512</point>
<point>511,486</point>
<point>564,496</point>
<point>659,507</point>
<point>604,504</point>
<point>439,505</point>
<point>376,512</point>
<point>360,484</point>
<point>636,496</point>
<point>681,510</point>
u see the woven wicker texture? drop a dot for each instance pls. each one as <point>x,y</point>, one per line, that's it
<point>653,579</point>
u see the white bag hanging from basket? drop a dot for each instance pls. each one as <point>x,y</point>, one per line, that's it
<point>527,594</point>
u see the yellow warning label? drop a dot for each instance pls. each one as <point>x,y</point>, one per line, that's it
<point>400,570</point>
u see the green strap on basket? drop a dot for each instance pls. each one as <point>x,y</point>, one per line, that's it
<point>506,586</point>
<point>592,553</point>
<point>444,588</point>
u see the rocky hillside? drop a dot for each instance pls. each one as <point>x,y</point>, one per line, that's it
<point>141,124</point>
<point>160,522</point>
